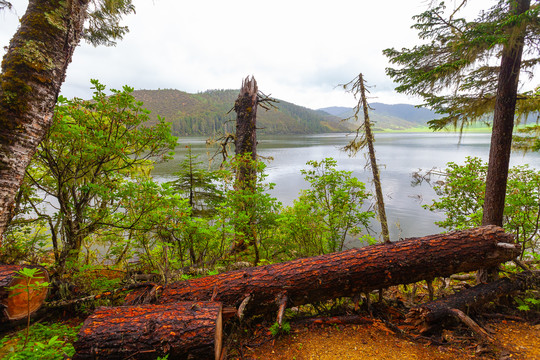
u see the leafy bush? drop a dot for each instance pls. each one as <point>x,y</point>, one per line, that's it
<point>326,214</point>
<point>462,199</point>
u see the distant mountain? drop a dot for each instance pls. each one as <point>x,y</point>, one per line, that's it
<point>338,111</point>
<point>384,116</point>
<point>209,113</point>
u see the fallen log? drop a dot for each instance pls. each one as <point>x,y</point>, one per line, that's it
<point>18,298</point>
<point>426,317</point>
<point>183,330</point>
<point>344,274</point>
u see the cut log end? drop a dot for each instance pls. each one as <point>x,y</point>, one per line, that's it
<point>19,298</point>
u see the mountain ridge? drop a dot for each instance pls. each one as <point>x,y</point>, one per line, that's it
<point>210,112</point>
<point>389,116</point>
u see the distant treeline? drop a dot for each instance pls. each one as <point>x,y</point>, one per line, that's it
<point>210,112</point>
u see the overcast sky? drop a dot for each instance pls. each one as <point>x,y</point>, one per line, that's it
<point>298,50</point>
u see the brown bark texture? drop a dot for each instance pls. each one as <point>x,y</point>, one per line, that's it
<point>184,330</point>
<point>349,272</point>
<point>381,211</point>
<point>245,107</point>
<point>503,122</point>
<point>33,71</point>
<point>429,315</point>
<point>16,303</point>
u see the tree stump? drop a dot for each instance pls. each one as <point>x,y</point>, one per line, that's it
<point>184,330</point>
<point>16,304</point>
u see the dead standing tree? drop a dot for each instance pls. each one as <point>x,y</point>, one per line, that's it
<point>364,136</point>
<point>246,128</point>
<point>245,107</point>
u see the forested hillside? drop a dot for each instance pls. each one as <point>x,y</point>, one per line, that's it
<point>207,113</point>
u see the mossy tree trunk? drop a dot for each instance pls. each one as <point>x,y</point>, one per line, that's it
<point>33,71</point>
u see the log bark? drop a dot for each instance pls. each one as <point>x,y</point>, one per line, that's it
<point>349,272</point>
<point>428,316</point>
<point>184,330</point>
<point>15,304</point>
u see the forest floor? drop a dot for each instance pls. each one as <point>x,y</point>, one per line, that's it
<point>339,329</point>
<point>344,331</point>
<point>329,339</point>
<point>514,340</point>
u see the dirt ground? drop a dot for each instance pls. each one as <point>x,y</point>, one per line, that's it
<point>375,341</point>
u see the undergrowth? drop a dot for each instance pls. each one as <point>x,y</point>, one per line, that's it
<point>46,342</point>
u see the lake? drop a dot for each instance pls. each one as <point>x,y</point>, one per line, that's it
<point>398,155</point>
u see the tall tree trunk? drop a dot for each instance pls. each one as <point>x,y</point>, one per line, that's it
<point>33,71</point>
<point>503,125</point>
<point>373,163</point>
<point>503,122</point>
<point>246,143</point>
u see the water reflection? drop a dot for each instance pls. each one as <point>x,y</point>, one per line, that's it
<point>399,155</point>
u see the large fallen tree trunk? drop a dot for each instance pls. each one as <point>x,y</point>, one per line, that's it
<point>428,316</point>
<point>349,272</point>
<point>19,295</point>
<point>185,330</point>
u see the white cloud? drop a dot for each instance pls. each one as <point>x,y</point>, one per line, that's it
<point>297,50</point>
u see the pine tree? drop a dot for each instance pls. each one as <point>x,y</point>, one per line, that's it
<point>199,186</point>
<point>470,69</point>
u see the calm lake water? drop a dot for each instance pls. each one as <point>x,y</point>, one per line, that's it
<point>398,155</point>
